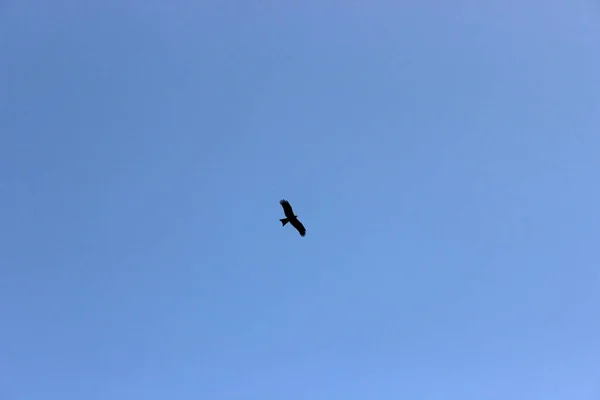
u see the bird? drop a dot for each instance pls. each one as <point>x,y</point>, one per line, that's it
<point>291,217</point>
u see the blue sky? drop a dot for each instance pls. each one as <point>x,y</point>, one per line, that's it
<point>443,156</point>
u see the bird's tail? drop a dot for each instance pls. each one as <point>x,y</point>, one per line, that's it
<point>284,221</point>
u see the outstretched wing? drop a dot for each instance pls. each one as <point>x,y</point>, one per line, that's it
<point>298,225</point>
<point>287,208</point>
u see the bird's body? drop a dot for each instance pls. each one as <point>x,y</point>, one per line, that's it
<point>291,218</point>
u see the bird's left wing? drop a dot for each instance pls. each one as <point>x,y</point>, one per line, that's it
<point>299,227</point>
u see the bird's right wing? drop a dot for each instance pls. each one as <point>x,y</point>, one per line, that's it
<point>287,208</point>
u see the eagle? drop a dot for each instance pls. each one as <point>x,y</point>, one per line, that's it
<point>291,217</point>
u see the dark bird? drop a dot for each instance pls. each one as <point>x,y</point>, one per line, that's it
<point>291,217</point>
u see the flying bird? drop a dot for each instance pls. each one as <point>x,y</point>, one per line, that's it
<point>291,217</point>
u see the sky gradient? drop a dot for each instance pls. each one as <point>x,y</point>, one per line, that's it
<point>443,156</point>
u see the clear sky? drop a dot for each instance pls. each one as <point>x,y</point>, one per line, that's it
<point>444,157</point>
